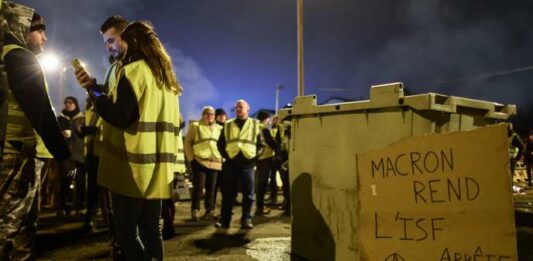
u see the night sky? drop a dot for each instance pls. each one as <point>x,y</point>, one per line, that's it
<point>225,50</point>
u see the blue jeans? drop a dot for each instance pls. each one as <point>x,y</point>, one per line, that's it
<point>230,189</point>
<point>137,227</point>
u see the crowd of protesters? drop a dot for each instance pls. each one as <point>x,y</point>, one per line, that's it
<point>124,152</point>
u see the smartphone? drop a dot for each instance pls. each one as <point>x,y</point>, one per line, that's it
<point>76,64</point>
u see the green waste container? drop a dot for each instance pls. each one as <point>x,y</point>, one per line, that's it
<point>325,138</point>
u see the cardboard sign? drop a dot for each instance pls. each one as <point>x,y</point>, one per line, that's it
<point>444,197</point>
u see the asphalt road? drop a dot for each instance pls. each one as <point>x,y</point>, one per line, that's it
<point>61,239</point>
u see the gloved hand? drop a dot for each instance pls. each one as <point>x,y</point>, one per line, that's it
<point>68,168</point>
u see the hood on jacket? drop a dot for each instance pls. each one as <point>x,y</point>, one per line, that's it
<point>17,21</point>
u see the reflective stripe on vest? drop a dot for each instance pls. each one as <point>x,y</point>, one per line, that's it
<point>268,152</point>
<point>205,141</point>
<point>140,161</point>
<point>241,140</point>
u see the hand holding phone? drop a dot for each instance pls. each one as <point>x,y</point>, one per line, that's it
<point>83,77</point>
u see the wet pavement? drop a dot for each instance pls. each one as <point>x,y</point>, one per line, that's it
<point>60,238</point>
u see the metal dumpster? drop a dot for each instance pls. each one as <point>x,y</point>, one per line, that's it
<point>324,140</point>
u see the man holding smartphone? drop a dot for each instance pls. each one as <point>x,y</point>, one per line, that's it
<point>110,30</point>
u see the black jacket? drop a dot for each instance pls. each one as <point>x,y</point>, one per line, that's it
<point>26,82</point>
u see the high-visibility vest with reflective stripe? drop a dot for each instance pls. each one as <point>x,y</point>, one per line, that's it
<point>205,141</point>
<point>110,83</point>
<point>18,126</point>
<point>241,140</point>
<point>93,142</point>
<point>140,161</point>
<point>268,152</point>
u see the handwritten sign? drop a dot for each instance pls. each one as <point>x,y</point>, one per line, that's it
<point>441,197</point>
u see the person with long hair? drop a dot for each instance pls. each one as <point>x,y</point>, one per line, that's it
<point>140,140</point>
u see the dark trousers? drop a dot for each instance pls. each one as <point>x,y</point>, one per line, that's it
<point>168,209</point>
<point>237,173</point>
<point>273,184</point>
<point>284,174</point>
<point>203,178</point>
<point>219,182</point>
<point>93,190</point>
<point>264,167</point>
<point>79,183</point>
<point>137,227</point>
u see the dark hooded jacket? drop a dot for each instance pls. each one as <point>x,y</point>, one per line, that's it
<point>27,83</point>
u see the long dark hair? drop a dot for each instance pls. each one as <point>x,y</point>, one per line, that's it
<point>143,43</point>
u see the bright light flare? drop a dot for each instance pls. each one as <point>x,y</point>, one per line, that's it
<point>49,62</point>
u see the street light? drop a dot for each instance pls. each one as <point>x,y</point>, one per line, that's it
<point>49,62</point>
<point>278,87</point>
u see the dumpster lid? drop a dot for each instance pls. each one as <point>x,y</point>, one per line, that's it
<point>392,95</point>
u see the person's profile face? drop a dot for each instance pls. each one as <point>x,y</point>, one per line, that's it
<point>114,43</point>
<point>37,41</point>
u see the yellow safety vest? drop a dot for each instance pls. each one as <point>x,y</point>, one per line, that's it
<point>93,143</point>
<point>241,140</point>
<point>18,126</point>
<point>140,161</point>
<point>111,78</point>
<point>284,138</point>
<point>268,152</point>
<point>205,141</point>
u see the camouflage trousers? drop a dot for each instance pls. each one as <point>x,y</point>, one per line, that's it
<point>19,206</point>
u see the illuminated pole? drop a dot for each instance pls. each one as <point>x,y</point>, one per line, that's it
<point>278,87</point>
<point>61,83</point>
<point>300,29</point>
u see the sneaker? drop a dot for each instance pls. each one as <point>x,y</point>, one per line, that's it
<point>195,214</point>
<point>247,224</point>
<point>220,225</point>
<point>262,211</point>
